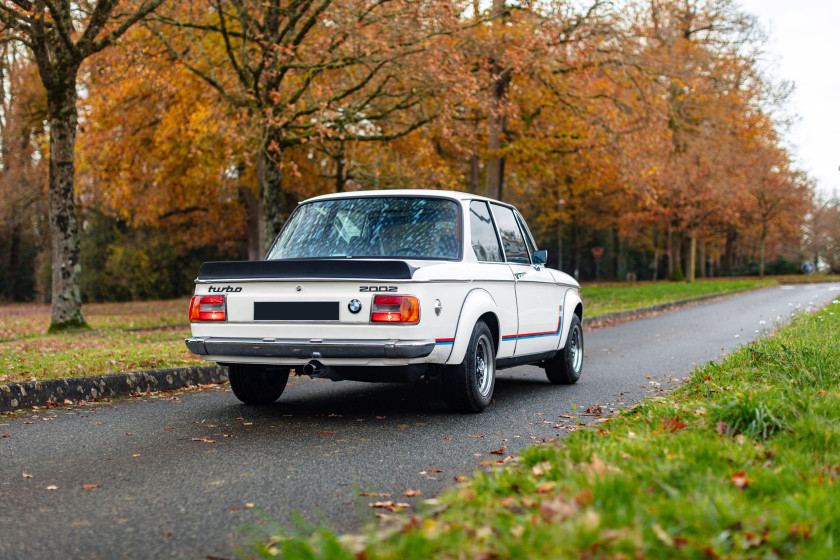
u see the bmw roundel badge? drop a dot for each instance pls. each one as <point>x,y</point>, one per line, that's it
<point>354,306</point>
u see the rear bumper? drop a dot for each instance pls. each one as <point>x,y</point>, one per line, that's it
<point>309,349</point>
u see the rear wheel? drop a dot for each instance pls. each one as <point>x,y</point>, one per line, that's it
<point>468,387</point>
<point>257,384</point>
<point>565,367</point>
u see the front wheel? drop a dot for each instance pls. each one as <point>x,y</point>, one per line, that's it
<point>255,384</point>
<point>468,387</point>
<point>565,367</point>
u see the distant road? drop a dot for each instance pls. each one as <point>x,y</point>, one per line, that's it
<point>175,474</point>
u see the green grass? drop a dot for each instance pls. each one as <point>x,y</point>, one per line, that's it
<point>124,337</point>
<point>741,462</point>
<point>608,298</point>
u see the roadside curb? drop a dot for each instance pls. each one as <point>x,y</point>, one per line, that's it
<point>40,393</point>
<point>628,314</point>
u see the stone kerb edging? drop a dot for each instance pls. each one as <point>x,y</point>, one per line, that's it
<point>39,393</point>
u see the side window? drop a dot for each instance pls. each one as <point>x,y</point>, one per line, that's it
<point>513,242</point>
<point>485,244</point>
<point>529,239</point>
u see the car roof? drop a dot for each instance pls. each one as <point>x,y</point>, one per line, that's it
<point>455,195</point>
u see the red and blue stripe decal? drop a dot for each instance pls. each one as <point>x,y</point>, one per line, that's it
<point>539,334</point>
<point>451,341</point>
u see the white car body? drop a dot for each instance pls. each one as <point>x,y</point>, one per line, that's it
<point>528,308</point>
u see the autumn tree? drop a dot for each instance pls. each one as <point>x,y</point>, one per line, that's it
<point>61,35</point>
<point>327,72</point>
<point>22,169</point>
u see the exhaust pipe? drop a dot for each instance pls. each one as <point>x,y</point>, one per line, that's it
<point>314,369</point>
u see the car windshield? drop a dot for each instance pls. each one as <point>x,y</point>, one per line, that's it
<point>380,227</point>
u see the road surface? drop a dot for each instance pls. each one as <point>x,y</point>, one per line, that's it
<point>175,475</point>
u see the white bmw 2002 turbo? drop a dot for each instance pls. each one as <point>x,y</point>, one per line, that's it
<point>391,286</point>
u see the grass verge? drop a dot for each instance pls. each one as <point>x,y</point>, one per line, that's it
<point>741,462</point>
<point>124,337</point>
<point>608,298</point>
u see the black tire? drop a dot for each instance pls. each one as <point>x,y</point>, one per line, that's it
<point>468,387</point>
<point>256,384</point>
<point>565,367</point>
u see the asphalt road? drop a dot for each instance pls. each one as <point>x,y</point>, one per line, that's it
<point>175,475</point>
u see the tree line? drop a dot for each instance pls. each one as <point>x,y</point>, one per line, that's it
<point>640,139</point>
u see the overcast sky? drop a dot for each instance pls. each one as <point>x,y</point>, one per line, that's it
<point>804,47</point>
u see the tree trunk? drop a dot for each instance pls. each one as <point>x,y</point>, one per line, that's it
<point>495,173</point>
<point>255,245</point>
<point>761,247</point>
<point>64,226</point>
<point>655,254</point>
<point>676,253</point>
<point>692,256</point>
<point>474,174</point>
<point>729,251</point>
<point>270,178</point>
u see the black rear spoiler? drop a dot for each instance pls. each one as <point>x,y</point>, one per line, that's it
<point>233,271</point>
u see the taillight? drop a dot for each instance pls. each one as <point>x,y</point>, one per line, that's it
<point>208,308</point>
<point>395,309</point>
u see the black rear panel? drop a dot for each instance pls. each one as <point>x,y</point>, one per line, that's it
<point>295,311</point>
<point>320,268</point>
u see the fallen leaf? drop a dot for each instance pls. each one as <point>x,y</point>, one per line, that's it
<point>5,435</point>
<point>129,434</point>
<point>498,451</point>
<point>169,428</point>
<point>411,493</point>
<point>674,424</point>
<point>541,468</point>
<point>556,510</point>
<point>26,475</point>
<point>136,455</point>
<point>375,494</point>
<point>204,440</point>
<point>325,433</point>
<point>448,438</point>
<point>663,535</point>
<point>485,463</point>
<point>390,506</point>
<point>545,487</point>
<point>460,478</point>
<point>435,470</point>
<point>90,486</point>
<point>474,436</point>
<point>740,479</point>
<point>722,428</point>
<point>52,487</point>
<point>584,497</point>
<point>233,508</point>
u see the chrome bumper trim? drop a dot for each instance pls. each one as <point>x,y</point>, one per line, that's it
<point>312,349</point>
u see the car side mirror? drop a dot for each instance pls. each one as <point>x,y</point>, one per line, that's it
<point>540,257</point>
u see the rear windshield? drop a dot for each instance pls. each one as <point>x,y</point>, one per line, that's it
<point>380,227</point>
